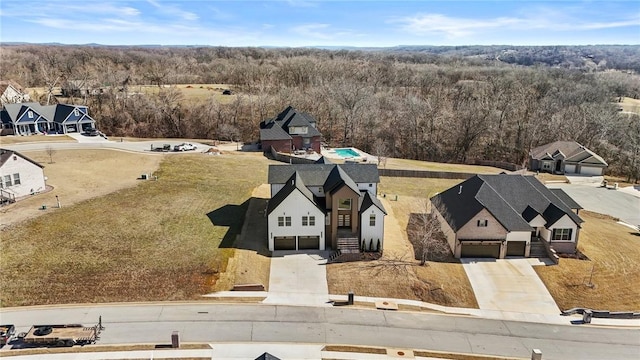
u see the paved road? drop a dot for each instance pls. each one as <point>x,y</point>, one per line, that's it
<point>509,285</point>
<point>153,323</point>
<point>618,204</point>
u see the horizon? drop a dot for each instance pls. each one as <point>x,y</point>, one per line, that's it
<point>320,24</point>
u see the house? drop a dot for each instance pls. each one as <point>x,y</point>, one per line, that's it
<point>81,88</point>
<point>506,215</point>
<point>11,92</point>
<point>566,157</point>
<point>322,206</point>
<point>33,118</point>
<point>290,130</point>
<point>19,176</point>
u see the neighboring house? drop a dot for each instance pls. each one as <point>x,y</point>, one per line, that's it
<point>11,92</point>
<point>566,157</point>
<point>504,215</point>
<point>19,176</point>
<point>321,206</point>
<point>81,88</point>
<point>290,130</point>
<point>33,118</point>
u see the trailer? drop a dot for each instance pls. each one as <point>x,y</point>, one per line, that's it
<point>63,335</point>
<point>6,332</point>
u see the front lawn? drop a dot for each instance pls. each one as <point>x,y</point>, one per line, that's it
<point>614,255</point>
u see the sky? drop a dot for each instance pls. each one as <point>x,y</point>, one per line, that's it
<point>297,23</point>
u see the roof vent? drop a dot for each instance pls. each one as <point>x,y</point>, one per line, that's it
<point>460,191</point>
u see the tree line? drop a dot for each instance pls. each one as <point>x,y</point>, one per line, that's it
<point>444,104</point>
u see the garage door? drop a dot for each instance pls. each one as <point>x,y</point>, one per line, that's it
<point>489,250</point>
<point>570,169</point>
<point>590,170</point>
<point>308,242</point>
<point>284,243</point>
<point>516,248</point>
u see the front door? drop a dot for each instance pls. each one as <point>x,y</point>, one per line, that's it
<point>558,166</point>
<point>344,220</point>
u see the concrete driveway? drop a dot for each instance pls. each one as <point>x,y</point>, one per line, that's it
<point>298,279</point>
<point>620,204</point>
<point>509,285</point>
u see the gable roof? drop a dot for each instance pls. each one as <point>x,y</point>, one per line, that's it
<point>566,199</point>
<point>512,199</point>
<point>317,174</point>
<point>289,117</point>
<point>367,201</point>
<point>569,150</point>
<point>323,160</point>
<point>4,84</point>
<point>293,183</point>
<point>6,154</point>
<point>336,179</point>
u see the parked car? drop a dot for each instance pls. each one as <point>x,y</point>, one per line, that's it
<point>91,132</point>
<point>6,332</point>
<point>184,147</point>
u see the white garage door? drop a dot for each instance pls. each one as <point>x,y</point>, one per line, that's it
<point>590,170</point>
<point>570,169</point>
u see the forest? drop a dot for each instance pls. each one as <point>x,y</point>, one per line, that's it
<point>445,104</point>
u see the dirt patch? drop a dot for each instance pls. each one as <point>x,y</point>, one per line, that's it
<point>97,348</point>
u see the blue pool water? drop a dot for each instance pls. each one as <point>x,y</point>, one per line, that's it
<point>346,153</point>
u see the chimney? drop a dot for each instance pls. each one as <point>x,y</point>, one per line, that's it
<point>460,191</point>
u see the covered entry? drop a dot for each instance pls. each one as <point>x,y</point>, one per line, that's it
<point>516,248</point>
<point>489,250</point>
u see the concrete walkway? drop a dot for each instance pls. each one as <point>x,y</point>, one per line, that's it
<point>298,279</point>
<point>509,285</point>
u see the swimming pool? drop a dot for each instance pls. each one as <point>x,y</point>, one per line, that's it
<point>346,153</point>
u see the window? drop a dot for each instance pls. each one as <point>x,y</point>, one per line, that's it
<point>344,204</point>
<point>7,180</point>
<point>561,235</point>
<point>372,220</point>
<point>370,185</point>
<point>280,220</point>
<point>287,221</point>
<point>312,221</point>
<point>76,112</point>
<point>305,221</point>
<point>16,179</point>
<point>30,114</point>
<point>483,223</point>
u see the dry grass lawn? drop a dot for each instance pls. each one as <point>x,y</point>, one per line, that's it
<point>614,253</point>
<point>10,139</point>
<point>80,175</point>
<point>440,283</point>
<point>161,240</point>
<point>193,92</point>
<point>393,163</point>
<point>629,104</point>
<point>544,177</point>
<point>98,348</point>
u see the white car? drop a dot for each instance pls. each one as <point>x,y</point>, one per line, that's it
<point>184,147</point>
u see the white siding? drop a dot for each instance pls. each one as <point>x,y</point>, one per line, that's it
<point>31,176</point>
<point>564,222</point>
<point>519,236</point>
<point>376,232</point>
<point>296,205</point>
<point>372,188</point>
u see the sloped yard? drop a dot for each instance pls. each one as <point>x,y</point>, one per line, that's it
<point>160,240</point>
<point>614,256</point>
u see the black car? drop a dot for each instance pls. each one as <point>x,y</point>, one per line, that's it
<point>91,132</point>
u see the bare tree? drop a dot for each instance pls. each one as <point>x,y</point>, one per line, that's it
<point>426,235</point>
<point>380,150</point>
<point>50,151</point>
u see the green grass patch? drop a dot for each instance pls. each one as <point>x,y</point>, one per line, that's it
<point>416,187</point>
<point>161,240</point>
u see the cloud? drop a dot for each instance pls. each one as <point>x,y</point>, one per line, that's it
<point>174,10</point>
<point>455,27</point>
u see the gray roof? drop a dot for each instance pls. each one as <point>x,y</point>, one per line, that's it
<point>566,199</point>
<point>336,179</point>
<point>368,201</point>
<point>570,150</point>
<point>269,129</point>
<point>323,160</point>
<point>5,154</point>
<point>293,183</point>
<point>316,174</point>
<point>53,113</point>
<point>509,198</point>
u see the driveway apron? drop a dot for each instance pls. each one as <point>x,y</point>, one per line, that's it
<point>509,285</point>
<point>298,279</point>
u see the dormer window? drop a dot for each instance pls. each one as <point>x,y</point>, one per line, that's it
<point>298,129</point>
<point>483,223</point>
<point>30,114</point>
